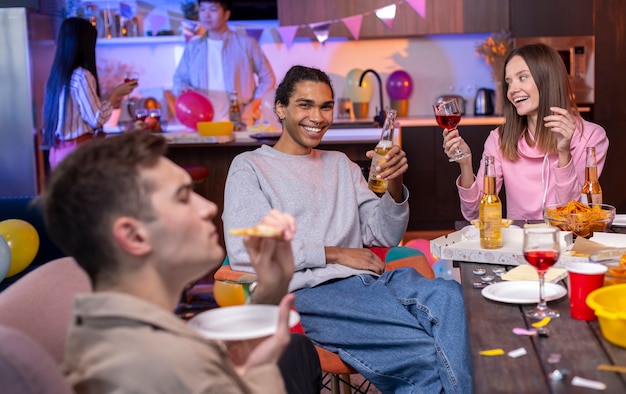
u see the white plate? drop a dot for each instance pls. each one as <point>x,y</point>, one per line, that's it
<point>240,322</point>
<point>522,292</point>
<point>620,220</point>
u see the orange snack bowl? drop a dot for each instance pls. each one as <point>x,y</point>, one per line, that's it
<point>609,304</point>
<point>210,129</point>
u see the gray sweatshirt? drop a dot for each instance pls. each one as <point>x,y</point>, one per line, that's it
<point>327,194</point>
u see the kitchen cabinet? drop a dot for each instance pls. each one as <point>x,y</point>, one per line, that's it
<point>434,199</point>
<point>442,17</point>
<point>536,18</point>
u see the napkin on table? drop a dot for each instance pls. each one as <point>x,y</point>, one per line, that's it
<point>528,272</point>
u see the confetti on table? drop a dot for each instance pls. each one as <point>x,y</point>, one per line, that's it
<point>541,323</point>
<point>492,352</point>
<point>588,383</point>
<point>517,353</point>
<point>524,331</point>
<point>612,368</point>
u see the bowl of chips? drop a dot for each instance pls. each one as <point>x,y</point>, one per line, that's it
<point>581,219</point>
<point>615,260</point>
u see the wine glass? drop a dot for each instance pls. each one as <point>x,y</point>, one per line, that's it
<point>130,76</point>
<point>448,116</point>
<point>155,113</point>
<point>141,114</point>
<point>541,250</point>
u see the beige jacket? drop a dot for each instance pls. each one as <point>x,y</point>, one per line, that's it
<point>122,344</point>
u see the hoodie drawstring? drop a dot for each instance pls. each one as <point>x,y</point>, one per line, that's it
<point>545,178</point>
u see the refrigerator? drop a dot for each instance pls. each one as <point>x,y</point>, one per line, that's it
<point>27,48</point>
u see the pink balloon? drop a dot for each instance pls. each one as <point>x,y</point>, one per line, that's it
<point>399,85</point>
<point>193,107</point>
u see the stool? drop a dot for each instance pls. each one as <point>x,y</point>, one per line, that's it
<point>197,172</point>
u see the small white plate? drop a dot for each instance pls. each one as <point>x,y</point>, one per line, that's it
<point>620,220</point>
<point>240,322</point>
<point>522,292</point>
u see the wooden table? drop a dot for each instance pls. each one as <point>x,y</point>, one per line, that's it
<point>580,344</point>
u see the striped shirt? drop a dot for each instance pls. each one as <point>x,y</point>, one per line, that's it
<point>84,112</point>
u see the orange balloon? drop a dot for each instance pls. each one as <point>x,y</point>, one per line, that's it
<point>23,241</point>
<point>228,293</point>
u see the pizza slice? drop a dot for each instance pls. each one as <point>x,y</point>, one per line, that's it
<point>256,231</point>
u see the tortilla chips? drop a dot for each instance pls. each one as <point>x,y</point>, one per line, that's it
<point>256,231</point>
<point>579,218</point>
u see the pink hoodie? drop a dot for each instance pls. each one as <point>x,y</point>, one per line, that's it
<point>533,181</point>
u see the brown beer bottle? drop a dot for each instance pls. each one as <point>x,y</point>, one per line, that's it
<point>235,112</point>
<point>490,210</point>
<point>591,192</point>
<point>384,145</point>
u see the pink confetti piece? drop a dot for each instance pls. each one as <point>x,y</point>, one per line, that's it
<point>524,331</point>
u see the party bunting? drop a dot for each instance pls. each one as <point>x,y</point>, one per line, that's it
<point>387,15</point>
<point>254,33</point>
<point>287,34</point>
<point>353,23</point>
<point>321,31</point>
<point>419,6</point>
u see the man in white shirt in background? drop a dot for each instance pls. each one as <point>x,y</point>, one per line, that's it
<point>222,61</point>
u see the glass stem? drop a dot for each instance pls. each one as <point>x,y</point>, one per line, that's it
<point>542,300</point>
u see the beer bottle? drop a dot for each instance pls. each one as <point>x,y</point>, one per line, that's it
<point>384,145</point>
<point>591,192</point>
<point>490,209</point>
<point>235,112</point>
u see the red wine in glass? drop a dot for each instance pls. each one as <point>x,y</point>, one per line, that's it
<point>448,121</point>
<point>542,260</point>
<point>541,249</point>
<point>448,116</point>
<point>155,113</point>
<point>141,114</point>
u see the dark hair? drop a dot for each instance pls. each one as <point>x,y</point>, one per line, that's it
<point>76,47</point>
<point>94,185</point>
<point>298,74</point>
<point>227,5</point>
<point>550,76</point>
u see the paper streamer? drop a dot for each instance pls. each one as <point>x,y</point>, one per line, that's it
<point>387,15</point>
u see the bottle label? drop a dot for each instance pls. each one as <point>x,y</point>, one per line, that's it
<point>491,226</point>
<point>595,198</point>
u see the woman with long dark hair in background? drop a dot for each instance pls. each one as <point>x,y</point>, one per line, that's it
<point>73,108</point>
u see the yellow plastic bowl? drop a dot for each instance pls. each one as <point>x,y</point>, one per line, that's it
<point>609,304</point>
<point>210,129</point>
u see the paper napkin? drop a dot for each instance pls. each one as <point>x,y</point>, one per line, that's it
<point>528,272</point>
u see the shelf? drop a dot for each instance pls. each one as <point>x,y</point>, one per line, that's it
<point>142,40</point>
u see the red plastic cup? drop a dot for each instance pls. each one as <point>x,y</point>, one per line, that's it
<point>583,279</point>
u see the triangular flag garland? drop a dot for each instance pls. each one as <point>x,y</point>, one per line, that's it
<point>321,29</point>
<point>387,15</point>
<point>419,6</point>
<point>353,23</point>
<point>287,34</point>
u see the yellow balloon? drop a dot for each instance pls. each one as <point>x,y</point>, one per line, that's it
<point>228,293</point>
<point>356,93</point>
<point>23,242</point>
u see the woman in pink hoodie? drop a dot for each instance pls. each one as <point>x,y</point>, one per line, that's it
<point>540,150</point>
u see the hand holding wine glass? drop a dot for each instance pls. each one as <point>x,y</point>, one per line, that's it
<point>448,116</point>
<point>541,250</point>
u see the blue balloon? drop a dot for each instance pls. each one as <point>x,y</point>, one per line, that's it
<point>5,258</point>
<point>443,269</point>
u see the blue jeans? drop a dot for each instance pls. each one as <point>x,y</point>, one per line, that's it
<point>402,332</point>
